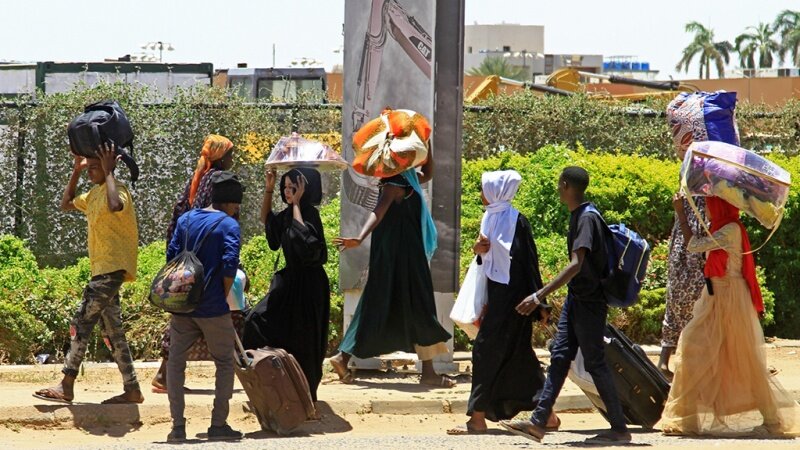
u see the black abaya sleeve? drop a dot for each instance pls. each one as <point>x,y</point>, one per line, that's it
<point>532,253</point>
<point>524,238</point>
<point>273,227</point>
<point>307,239</point>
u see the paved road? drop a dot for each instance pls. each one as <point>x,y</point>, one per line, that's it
<point>367,431</point>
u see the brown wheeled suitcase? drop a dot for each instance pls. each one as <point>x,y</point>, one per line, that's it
<point>276,386</point>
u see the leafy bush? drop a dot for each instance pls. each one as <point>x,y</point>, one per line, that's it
<point>36,305</point>
<point>144,323</point>
<point>626,188</point>
<point>19,331</point>
<point>780,258</point>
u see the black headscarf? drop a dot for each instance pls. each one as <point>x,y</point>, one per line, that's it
<point>313,192</point>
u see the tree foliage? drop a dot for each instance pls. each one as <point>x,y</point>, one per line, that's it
<point>757,41</point>
<point>497,65</point>
<point>706,49</point>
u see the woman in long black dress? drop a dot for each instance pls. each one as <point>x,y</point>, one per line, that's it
<point>506,374</point>
<point>295,312</point>
<point>397,311</point>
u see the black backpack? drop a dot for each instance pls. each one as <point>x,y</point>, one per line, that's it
<point>103,122</point>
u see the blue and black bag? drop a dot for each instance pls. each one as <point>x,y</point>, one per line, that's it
<point>628,256</point>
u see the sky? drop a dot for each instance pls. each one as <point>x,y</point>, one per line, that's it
<point>227,32</point>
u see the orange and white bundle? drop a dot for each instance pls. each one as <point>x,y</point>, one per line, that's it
<point>392,143</point>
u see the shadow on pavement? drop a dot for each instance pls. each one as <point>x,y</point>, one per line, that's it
<point>99,420</point>
<point>329,423</point>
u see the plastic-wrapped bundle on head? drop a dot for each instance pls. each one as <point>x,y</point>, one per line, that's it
<point>748,181</point>
<point>702,116</point>
<point>391,144</point>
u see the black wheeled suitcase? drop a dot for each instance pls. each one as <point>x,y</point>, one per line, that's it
<point>641,387</point>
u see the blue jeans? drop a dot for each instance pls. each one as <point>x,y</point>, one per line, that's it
<point>581,325</point>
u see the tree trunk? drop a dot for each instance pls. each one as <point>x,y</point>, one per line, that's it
<point>708,68</point>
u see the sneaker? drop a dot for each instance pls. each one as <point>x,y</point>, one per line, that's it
<point>610,437</point>
<point>224,432</point>
<point>178,434</point>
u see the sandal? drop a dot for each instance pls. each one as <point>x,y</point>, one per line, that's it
<point>345,375</point>
<point>463,430</point>
<point>443,381</point>
<point>52,396</point>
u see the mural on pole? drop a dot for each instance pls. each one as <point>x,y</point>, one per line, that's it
<point>387,63</point>
<point>405,54</point>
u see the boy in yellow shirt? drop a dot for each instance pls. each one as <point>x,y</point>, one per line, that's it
<point>113,249</point>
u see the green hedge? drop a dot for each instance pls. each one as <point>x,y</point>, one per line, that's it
<point>525,122</point>
<point>37,304</point>
<point>169,134</point>
<point>629,157</point>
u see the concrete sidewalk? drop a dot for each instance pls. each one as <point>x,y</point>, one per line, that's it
<point>373,393</point>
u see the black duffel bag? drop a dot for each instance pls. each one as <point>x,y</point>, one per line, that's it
<point>103,122</point>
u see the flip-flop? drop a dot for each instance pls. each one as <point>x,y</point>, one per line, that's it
<point>52,396</point>
<point>510,426</point>
<point>463,430</point>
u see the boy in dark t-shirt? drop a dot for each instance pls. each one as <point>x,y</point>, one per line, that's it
<point>587,231</point>
<point>583,318</point>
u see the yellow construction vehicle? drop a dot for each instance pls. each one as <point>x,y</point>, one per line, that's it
<point>568,81</point>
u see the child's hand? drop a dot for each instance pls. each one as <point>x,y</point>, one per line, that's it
<point>108,157</point>
<point>79,163</point>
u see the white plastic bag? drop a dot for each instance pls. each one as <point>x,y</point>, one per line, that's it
<point>471,299</point>
<point>579,375</point>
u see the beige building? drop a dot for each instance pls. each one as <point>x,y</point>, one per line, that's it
<point>520,45</point>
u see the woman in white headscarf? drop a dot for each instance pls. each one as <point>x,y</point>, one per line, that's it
<point>506,376</point>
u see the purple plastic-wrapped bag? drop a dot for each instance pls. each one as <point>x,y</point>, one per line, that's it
<point>744,179</point>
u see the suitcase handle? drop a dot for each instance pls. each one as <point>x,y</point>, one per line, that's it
<point>244,360</point>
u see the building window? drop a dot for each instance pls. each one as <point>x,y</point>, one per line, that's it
<point>469,49</point>
<point>506,48</point>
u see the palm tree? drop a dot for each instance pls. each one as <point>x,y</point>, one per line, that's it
<point>496,65</point>
<point>704,47</point>
<point>757,40</point>
<point>787,24</point>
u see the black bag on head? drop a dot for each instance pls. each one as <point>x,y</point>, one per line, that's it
<point>103,122</point>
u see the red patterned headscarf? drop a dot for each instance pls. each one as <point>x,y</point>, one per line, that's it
<point>214,148</point>
<point>723,213</point>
